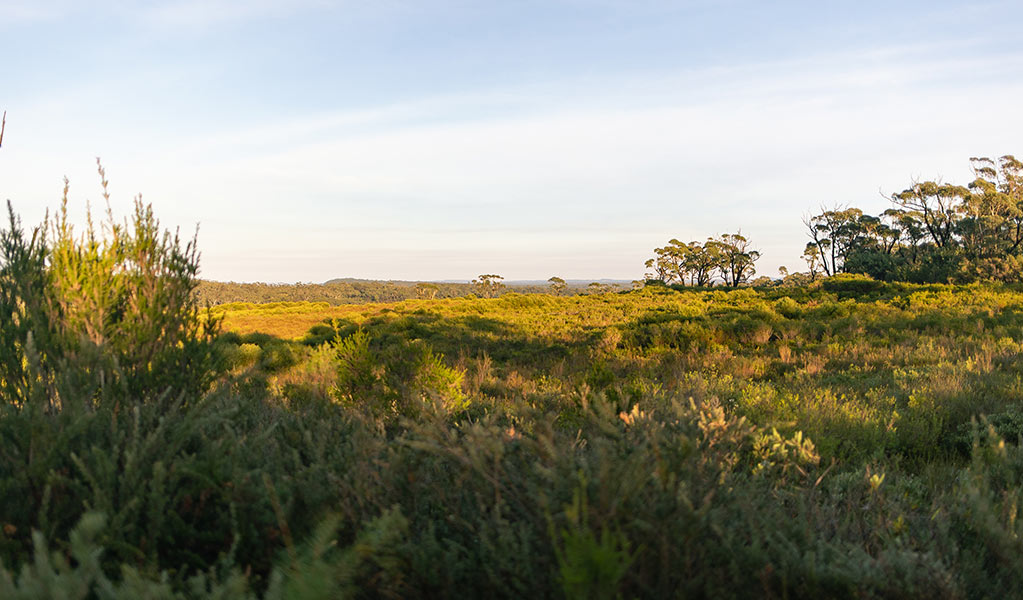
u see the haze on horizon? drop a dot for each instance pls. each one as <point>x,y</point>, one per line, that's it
<point>441,139</point>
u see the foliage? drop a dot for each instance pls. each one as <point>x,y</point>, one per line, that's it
<point>96,320</point>
<point>729,257</point>
<point>557,285</point>
<point>852,284</point>
<point>737,258</point>
<point>487,286</point>
<point>590,566</point>
<point>935,232</point>
<point>403,380</point>
<point>427,291</point>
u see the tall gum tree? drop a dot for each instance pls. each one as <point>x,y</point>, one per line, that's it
<point>736,258</point>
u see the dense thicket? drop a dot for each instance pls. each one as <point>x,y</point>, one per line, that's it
<point>935,232</point>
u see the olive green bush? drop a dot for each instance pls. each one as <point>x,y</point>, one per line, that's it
<point>95,320</point>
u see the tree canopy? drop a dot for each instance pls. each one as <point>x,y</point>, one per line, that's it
<point>729,257</point>
<point>934,231</point>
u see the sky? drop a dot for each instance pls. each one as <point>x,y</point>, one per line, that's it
<point>442,139</point>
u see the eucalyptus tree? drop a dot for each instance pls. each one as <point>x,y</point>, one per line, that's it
<point>597,287</point>
<point>938,206</point>
<point>678,262</point>
<point>812,256</point>
<point>703,261</point>
<point>660,269</point>
<point>879,233</point>
<point>670,263</point>
<point>992,223</point>
<point>835,232</point>
<point>736,258</point>
<point>426,291</point>
<point>487,286</point>
<point>935,231</point>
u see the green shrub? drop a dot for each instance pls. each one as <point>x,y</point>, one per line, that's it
<point>852,284</point>
<point>277,356</point>
<point>95,320</point>
<point>357,370</point>
<point>788,307</point>
<point>589,565</point>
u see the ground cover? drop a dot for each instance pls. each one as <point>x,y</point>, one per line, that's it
<point>897,372</point>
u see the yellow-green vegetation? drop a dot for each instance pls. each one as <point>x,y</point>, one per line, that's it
<point>869,371</point>
<point>845,439</point>
<point>286,320</point>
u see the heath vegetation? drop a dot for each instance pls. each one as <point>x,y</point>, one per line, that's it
<point>830,435</point>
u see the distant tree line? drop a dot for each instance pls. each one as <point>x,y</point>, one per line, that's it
<point>935,232</point>
<point>366,291</point>
<point>343,292</point>
<point>218,292</point>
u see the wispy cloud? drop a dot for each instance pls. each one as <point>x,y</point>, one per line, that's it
<point>578,174</point>
<point>753,149</point>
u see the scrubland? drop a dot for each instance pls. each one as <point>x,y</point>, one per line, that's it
<point>845,439</point>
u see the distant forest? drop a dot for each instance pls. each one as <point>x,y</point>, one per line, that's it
<point>358,291</point>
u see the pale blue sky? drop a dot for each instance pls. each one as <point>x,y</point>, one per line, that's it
<point>441,139</point>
